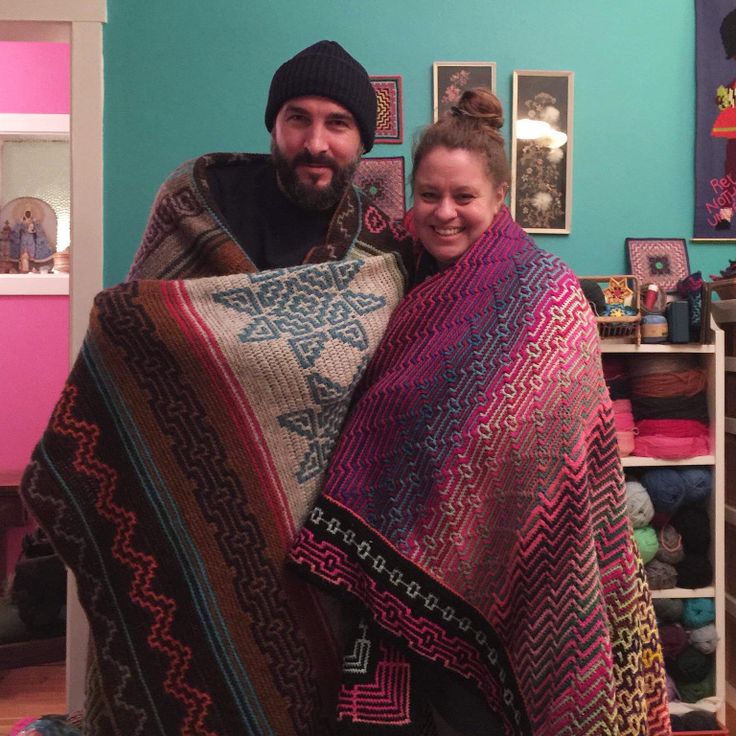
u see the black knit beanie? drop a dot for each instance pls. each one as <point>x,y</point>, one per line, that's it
<point>326,70</point>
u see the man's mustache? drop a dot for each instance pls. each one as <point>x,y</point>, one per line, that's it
<point>321,159</point>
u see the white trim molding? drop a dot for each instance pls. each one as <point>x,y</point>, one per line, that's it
<point>94,11</point>
<point>34,284</point>
<point>85,18</point>
<point>36,125</point>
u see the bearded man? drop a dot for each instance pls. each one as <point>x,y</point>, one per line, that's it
<point>195,428</point>
<point>230,212</point>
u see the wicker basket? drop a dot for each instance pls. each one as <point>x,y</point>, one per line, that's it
<point>623,329</point>
<point>725,288</point>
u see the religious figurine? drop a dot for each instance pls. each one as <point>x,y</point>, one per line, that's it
<point>30,245</point>
<point>5,234</point>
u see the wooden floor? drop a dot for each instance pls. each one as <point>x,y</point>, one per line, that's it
<point>31,691</point>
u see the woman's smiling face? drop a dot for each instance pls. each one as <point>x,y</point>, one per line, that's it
<point>455,201</point>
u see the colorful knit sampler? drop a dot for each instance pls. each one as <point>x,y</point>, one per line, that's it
<point>475,509</point>
<point>187,449</point>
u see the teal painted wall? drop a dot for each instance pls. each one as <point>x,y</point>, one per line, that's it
<point>183,77</point>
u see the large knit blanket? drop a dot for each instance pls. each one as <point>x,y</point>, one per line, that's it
<point>187,236</point>
<point>188,446</point>
<point>474,508</point>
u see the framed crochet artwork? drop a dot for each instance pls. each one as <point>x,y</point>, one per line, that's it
<point>452,78</point>
<point>390,118</point>
<point>715,121</point>
<point>382,179</point>
<point>541,151</point>
<point>660,261</point>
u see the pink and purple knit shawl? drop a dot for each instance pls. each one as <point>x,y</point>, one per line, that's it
<point>474,508</point>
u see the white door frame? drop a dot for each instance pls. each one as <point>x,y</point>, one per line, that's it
<point>86,18</point>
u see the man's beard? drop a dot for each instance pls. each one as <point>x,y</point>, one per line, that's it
<point>308,196</point>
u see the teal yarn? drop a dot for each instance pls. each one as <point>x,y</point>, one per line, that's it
<point>691,692</point>
<point>638,504</point>
<point>668,610</point>
<point>698,612</point>
<point>698,484</point>
<point>666,488</point>
<point>646,541</point>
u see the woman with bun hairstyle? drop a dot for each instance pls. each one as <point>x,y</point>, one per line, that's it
<point>474,508</point>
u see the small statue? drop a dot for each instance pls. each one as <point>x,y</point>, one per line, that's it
<point>5,234</point>
<point>30,246</point>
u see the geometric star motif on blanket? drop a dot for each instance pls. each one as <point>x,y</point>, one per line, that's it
<point>310,309</point>
<point>320,426</point>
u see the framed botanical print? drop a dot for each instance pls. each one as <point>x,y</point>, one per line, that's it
<point>541,151</point>
<point>452,78</point>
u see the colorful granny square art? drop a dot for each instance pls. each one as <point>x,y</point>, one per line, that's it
<point>389,121</point>
<point>382,179</point>
<point>661,261</point>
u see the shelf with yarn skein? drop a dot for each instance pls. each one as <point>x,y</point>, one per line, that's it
<point>634,461</point>
<point>710,358</point>
<point>690,347</point>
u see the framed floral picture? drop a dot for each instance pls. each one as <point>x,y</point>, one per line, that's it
<point>541,151</point>
<point>452,78</point>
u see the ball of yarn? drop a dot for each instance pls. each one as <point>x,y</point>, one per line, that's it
<point>694,571</point>
<point>666,488</point>
<point>691,692</point>
<point>698,484</point>
<point>674,640</point>
<point>646,541</point>
<point>693,524</point>
<point>672,694</point>
<point>660,575</point>
<point>677,723</point>
<point>638,504</point>
<point>668,610</point>
<point>704,639</point>
<point>699,720</point>
<point>691,666</point>
<point>698,612</point>
<point>594,295</point>
<point>670,549</point>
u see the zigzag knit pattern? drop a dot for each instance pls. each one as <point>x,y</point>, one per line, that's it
<point>188,446</point>
<point>475,506</point>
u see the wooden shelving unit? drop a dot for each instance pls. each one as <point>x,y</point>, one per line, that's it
<point>724,313</point>
<point>712,359</point>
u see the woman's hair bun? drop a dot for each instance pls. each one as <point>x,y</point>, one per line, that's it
<point>481,105</point>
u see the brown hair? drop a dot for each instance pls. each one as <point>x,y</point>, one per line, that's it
<point>473,124</point>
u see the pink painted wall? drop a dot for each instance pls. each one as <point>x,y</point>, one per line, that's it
<point>34,77</point>
<point>34,330</point>
<point>34,363</point>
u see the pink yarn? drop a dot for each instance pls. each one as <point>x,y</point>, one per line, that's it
<point>20,726</point>
<point>671,448</point>
<point>672,439</point>
<point>625,443</point>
